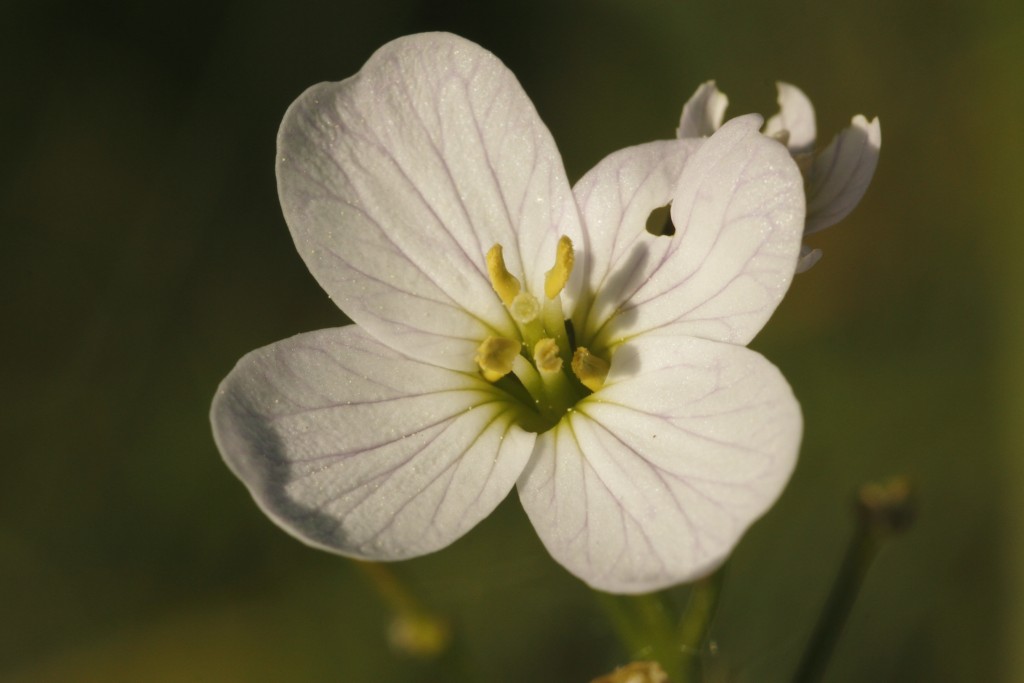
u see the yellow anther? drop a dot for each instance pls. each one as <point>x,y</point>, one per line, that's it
<point>545,356</point>
<point>590,369</point>
<point>524,308</point>
<point>495,356</point>
<point>559,274</point>
<point>504,283</point>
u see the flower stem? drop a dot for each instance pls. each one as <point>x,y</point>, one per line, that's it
<point>620,614</point>
<point>414,630</point>
<point>883,509</point>
<point>644,625</point>
<point>696,621</point>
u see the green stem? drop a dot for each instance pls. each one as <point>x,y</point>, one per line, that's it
<point>859,555</point>
<point>620,613</point>
<point>399,598</point>
<point>656,615</point>
<point>644,625</point>
<point>414,630</point>
<point>696,621</point>
<point>883,509</point>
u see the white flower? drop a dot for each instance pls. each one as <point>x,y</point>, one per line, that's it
<point>836,178</point>
<point>430,202</point>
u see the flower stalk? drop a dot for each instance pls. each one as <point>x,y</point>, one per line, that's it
<point>696,622</point>
<point>414,630</point>
<point>648,629</point>
<point>644,625</point>
<point>883,510</point>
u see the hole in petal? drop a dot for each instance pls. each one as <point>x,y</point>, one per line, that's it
<point>659,223</point>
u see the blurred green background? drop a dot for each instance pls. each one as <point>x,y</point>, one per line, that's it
<point>144,252</point>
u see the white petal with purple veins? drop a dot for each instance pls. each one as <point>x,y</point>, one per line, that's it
<point>652,480</point>
<point>359,450</point>
<point>616,197</point>
<point>796,117</point>
<point>396,182</point>
<point>703,112</point>
<point>808,258</point>
<point>739,213</point>
<point>842,172</point>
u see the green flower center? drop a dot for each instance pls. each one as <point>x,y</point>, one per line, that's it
<point>540,365</point>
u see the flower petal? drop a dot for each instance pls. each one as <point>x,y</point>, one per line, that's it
<point>397,181</point>
<point>808,258</point>
<point>739,215</point>
<point>703,112</point>
<point>356,449</point>
<point>796,117</point>
<point>842,172</point>
<point>616,198</point>
<point>653,480</point>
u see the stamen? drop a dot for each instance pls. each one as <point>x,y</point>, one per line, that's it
<point>556,278</point>
<point>524,308</point>
<point>590,369</point>
<point>505,284</point>
<point>545,356</point>
<point>495,357</point>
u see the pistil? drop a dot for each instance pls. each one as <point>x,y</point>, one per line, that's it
<point>524,308</point>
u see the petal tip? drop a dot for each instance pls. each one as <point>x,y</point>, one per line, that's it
<point>703,112</point>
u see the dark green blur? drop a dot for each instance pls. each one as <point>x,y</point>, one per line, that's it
<point>144,252</point>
